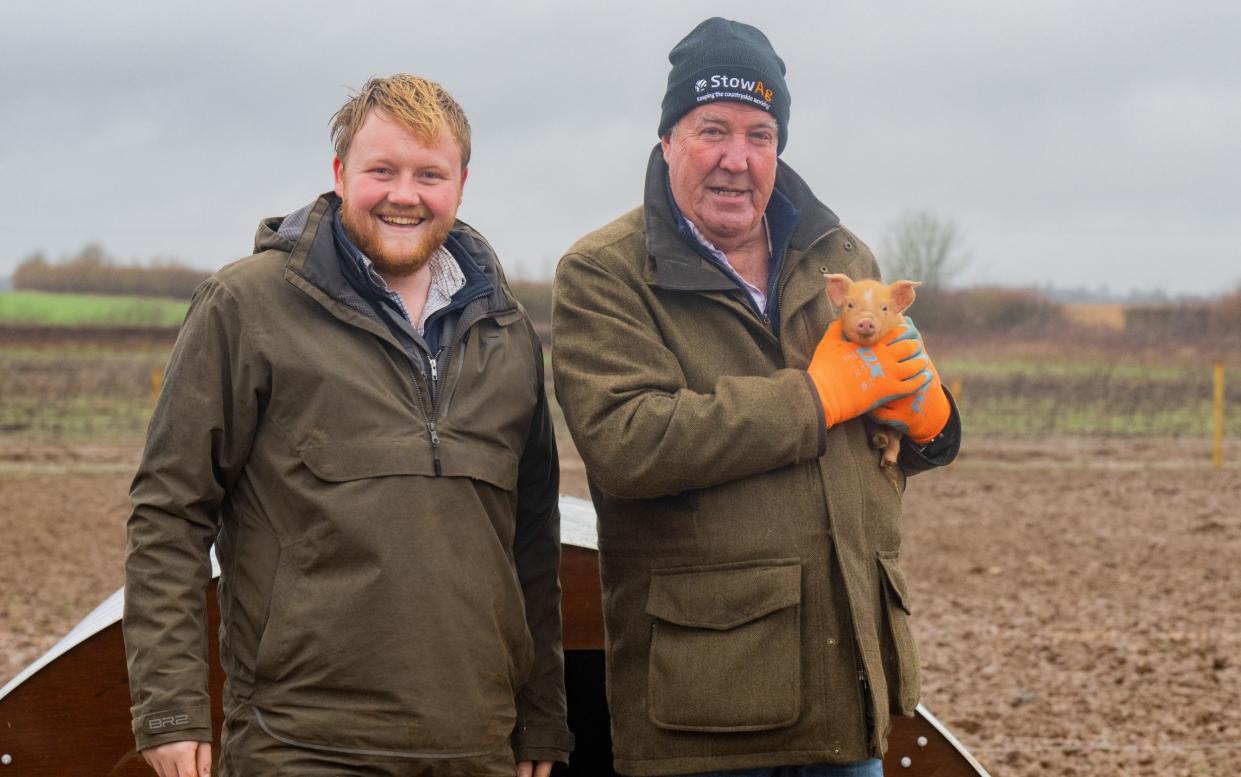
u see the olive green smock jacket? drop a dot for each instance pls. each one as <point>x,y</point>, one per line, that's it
<point>389,543</point>
<point>755,610</point>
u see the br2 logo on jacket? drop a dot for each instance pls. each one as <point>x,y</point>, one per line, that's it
<point>155,724</point>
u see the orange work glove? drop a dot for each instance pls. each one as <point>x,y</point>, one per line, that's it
<point>852,379</point>
<point>920,416</point>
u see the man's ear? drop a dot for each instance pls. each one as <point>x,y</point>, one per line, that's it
<point>838,288</point>
<point>338,173</point>
<point>665,143</point>
<point>903,294</point>
<point>465,173</point>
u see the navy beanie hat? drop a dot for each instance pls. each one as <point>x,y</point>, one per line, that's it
<point>726,60</point>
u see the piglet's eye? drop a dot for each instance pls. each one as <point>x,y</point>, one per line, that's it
<point>885,308</point>
<point>850,306</point>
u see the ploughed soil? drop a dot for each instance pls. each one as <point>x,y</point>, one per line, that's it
<point>1077,602</point>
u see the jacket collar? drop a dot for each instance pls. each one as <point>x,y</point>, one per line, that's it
<point>314,261</point>
<point>679,266</point>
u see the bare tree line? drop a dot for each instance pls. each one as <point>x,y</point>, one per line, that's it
<point>921,246</point>
<point>91,271</point>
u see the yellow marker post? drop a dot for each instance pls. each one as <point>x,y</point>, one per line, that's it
<point>157,380</point>
<point>1217,458</point>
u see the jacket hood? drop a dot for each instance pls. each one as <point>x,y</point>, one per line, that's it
<point>280,233</point>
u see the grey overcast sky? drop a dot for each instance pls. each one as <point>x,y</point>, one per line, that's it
<point>1076,143</point>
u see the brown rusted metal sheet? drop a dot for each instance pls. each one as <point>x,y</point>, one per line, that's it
<point>67,715</point>
<point>580,604</point>
<point>70,718</point>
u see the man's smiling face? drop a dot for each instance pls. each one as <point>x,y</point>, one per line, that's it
<point>722,168</point>
<point>400,195</point>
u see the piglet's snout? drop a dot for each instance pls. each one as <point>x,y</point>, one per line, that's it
<point>866,327</point>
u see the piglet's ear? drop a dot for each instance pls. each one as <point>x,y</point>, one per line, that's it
<point>838,288</point>
<point>903,293</point>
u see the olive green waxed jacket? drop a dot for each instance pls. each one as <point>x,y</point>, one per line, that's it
<point>749,558</point>
<point>388,534</point>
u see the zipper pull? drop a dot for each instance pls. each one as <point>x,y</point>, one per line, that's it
<point>435,447</point>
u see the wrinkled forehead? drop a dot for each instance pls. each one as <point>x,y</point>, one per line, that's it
<point>729,114</point>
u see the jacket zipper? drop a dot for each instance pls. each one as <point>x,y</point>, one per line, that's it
<point>432,360</point>
<point>866,721</point>
<point>429,422</point>
<point>435,389</point>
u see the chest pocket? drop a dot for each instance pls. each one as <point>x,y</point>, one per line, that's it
<point>342,462</point>
<point>346,462</point>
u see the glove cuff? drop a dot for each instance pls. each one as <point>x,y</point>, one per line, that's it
<point>936,413</point>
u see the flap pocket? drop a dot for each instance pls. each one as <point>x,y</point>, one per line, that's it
<point>490,464</point>
<point>725,647</point>
<point>890,565</point>
<point>352,461</point>
<point>724,597</point>
<point>900,655</point>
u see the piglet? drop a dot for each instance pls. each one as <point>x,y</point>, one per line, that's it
<point>869,310</point>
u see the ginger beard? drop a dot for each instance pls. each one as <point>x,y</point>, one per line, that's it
<point>392,257</point>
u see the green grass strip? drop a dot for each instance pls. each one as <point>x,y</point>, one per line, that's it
<point>36,308</point>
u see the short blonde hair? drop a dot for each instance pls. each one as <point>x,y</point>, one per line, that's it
<point>422,106</point>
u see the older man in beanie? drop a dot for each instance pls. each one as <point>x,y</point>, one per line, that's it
<point>757,618</point>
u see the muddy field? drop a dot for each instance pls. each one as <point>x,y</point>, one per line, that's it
<point>1078,603</point>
